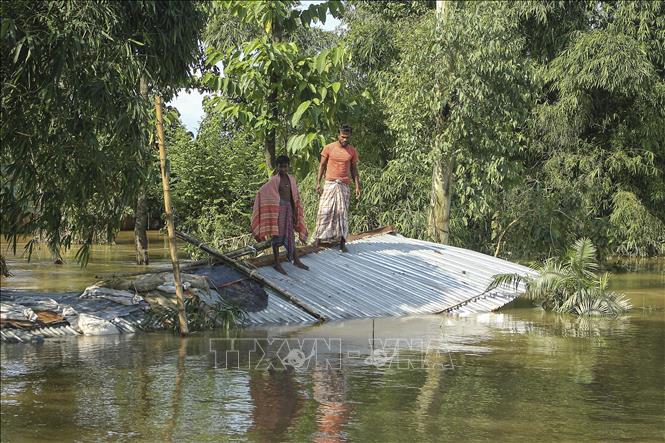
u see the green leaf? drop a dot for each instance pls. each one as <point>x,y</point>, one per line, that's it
<point>299,112</point>
<point>335,87</point>
<point>4,27</point>
<point>321,61</point>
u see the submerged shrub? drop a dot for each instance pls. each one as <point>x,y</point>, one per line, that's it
<point>569,284</point>
<point>200,317</point>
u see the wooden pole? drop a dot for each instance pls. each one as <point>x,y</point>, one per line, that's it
<point>141,212</point>
<point>251,273</point>
<point>170,226</point>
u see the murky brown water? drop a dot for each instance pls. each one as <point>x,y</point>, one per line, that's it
<point>41,274</point>
<point>519,375</point>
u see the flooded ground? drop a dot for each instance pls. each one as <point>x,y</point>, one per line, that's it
<point>517,375</point>
<point>41,274</point>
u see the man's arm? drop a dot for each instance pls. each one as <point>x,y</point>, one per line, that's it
<point>322,170</point>
<point>356,178</point>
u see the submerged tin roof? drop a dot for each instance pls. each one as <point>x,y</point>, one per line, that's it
<point>389,275</point>
<point>383,275</point>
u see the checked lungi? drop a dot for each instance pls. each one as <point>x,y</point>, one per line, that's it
<point>332,220</point>
<point>286,235</point>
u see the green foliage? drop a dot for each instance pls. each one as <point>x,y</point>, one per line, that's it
<point>200,317</point>
<point>569,284</point>
<point>635,231</point>
<point>213,179</point>
<point>461,89</point>
<point>73,121</point>
<point>552,111</point>
<point>596,135</point>
<point>285,95</point>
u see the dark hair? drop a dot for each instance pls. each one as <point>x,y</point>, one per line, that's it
<point>282,160</point>
<point>345,129</point>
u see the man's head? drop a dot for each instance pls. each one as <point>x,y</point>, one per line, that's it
<point>282,164</point>
<point>344,135</point>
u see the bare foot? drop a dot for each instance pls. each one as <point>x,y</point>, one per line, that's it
<point>279,269</point>
<point>301,265</point>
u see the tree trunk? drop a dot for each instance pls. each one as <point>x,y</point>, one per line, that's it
<point>141,228</point>
<point>441,200</point>
<point>4,270</point>
<point>141,213</point>
<point>442,171</point>
<point>270,142</point>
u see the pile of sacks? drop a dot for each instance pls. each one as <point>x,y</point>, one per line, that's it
<point>153,291</point>
<point>107,307</point>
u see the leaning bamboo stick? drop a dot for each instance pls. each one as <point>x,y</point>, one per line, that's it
<point>252,274</point>
<point>170,226</point>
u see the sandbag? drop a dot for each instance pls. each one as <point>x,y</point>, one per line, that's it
<point>89,324</point>
<point>14,311</point>
<point>123,284</point>
<point>114,295</point>
<point>188,281</point>
<point>148,282</point>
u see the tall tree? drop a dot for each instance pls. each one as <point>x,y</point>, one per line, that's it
<point>270,84</point>
<point>596,157</point>
<point>167,34</point>
<point>457,99</point>
<point>74,122</point>
<point>444,163</point>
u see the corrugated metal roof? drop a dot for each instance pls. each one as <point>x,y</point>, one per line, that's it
<point>391,275</point>
<point>279,311</point>
<point>382,275</point>
<point>128,319</point>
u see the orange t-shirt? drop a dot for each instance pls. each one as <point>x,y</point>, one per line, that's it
<point>339,161</point>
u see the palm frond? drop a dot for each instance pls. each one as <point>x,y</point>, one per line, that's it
<point>569,285</point>
<point>582,256</point>
<point>507,280</point>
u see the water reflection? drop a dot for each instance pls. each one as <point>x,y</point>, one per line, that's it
<point>490,377</point>
<point>277,400</point>
<point>329,391</point>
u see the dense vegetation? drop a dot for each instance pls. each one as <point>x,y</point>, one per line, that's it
<point>569,285</point>
<point>527,124</point>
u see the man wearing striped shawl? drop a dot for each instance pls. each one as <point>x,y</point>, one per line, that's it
<point>339,161</point>
<point>278,214</point>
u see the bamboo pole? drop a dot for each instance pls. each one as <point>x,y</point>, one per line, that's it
<point>251,273</point>
<point>170,226</point>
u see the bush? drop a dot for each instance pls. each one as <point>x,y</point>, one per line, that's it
<point>569,284</point>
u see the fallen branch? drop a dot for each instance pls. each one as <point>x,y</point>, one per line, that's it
<point>251,274</point>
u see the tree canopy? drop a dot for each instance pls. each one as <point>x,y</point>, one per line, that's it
<point>73,121</point>
<point>515,127</point>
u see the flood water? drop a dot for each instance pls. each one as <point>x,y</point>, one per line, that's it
<point>41,274</point>
<point>516,375</point>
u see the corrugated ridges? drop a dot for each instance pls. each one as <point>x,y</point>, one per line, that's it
<point>391,275</point>
<point>280,312</point>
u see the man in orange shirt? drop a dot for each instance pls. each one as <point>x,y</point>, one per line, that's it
<point>339,161</point>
